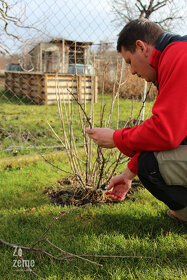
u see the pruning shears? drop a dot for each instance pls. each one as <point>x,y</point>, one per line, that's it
<point>105,186</point>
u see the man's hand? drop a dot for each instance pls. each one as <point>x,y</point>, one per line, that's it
<point>121,189</point>
<point>103,137</point>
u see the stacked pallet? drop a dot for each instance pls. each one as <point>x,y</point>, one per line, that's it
<point>31,85</point>
<point>44,88</point>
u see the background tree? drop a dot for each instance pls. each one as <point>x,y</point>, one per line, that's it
<point>169,14</point>
<point>6,22</point>
<point>15,33</point>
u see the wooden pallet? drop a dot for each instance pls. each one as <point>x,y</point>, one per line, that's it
<point>45,88</point>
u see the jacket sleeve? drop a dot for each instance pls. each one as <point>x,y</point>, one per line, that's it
<point>133,163</point>
<point>167,127</point>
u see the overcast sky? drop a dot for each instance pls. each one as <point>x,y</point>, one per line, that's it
<point>81,20</point>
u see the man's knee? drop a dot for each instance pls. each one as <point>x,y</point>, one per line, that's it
<point>148,168</point>
<point>149,174</point>
<point>173,165</point>
<point>143,163</point>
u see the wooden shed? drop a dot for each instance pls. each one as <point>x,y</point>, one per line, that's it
<point>58,68</point>
<point>58,54</point>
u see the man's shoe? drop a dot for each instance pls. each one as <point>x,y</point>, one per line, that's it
<point>175,217</point>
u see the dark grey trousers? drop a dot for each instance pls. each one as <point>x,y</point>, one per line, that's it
<point>164,174</point>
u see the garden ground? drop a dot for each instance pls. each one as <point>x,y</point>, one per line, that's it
<point>151,245</point>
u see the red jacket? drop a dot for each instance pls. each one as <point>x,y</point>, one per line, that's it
<point>167,127</point>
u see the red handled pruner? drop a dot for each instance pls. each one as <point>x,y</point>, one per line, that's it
<point>105,186</point>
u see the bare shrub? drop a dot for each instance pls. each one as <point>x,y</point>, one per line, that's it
<point>131,86</point>
<point>91,165</point>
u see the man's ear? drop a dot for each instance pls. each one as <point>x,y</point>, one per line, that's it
<point>142,46</point>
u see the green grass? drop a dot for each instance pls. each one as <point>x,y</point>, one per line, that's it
<point>136,227</point>
<point>22,123</point>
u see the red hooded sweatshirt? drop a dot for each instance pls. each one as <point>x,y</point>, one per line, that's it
<point>167,127</point>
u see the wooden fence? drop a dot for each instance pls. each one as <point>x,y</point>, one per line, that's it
<point>44,88</point>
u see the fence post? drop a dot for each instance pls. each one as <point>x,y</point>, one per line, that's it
<point>79,86</point>
<point>144,97</point>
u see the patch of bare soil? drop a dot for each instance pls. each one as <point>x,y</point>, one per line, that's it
<point>68,192</point>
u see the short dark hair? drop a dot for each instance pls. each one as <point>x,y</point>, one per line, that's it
<point>139,29</point>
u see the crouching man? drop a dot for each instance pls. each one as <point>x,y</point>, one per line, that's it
<point>158,147</point>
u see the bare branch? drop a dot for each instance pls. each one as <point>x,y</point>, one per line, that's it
<point>119,257</point>
<point>70,254</point>
<point>125,11</point>
<point>87,118</point>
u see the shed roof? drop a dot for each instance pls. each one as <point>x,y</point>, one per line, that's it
<point>59,40</point>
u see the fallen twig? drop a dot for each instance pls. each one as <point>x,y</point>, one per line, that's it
<point>70,254</point>
<point>51,224</point>
<point>119,257</point>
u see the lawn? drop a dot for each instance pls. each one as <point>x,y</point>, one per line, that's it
<point>24,126</point>
<point>136,227</point>
<point>151,245</point>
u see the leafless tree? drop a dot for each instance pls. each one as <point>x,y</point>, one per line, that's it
<point>169,14</point>
<point>12,25</point>
<point>6,21</point>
